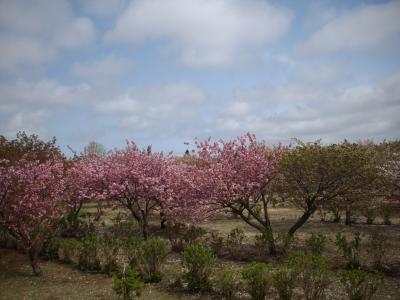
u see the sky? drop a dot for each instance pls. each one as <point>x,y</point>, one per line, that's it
<point>165,72</point>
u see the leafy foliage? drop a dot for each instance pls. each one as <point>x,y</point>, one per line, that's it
<point>258,278</point>
<point>360,285</point>
<point>198,261</point>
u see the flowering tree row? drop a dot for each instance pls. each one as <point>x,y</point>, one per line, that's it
<point>242,176</point>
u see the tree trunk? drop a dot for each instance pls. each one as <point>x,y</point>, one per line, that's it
<point>348,216</point>
<point>145,228</point>
<point>163,220</point>
<point>33,260</point>
<point>300,222</point>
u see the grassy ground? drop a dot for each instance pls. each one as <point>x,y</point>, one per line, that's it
<point>66,282</point>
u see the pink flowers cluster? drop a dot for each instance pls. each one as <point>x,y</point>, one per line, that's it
<point>217,175</point>
<point>32,197</point>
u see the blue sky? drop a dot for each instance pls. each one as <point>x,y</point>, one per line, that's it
<point>163,72</point>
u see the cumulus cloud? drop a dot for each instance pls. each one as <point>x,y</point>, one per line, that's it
<point>102,69</point>
<point>174,107</point>
<point>103,8</point>
<point>34,32</point>
<point>310,111</point>
<point>367,27</point>
<point>205,32</point>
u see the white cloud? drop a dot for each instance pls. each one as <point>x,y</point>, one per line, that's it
<point>206,32</point>
<point>33,32</point>
<point>238,108</point>
<point>367,27</point>
<point>28,121</point>
<point>103,69</point>
<point>103,8</point>
<point>155,108</point>
<point>39,93</point>
<point>313,111</point>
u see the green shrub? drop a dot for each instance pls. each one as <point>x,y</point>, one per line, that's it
<point>350,249</point>
<point>262,242</point>
<point>69,248</point>
<point>150,257</point>
<point>386,212</point>
<point>370,214</point>
<point>228,283</point>
<point>234,241</point>
<point>360,285</point>
<point>258,278</point>
<point>378,246</point>
<point>316,244</point>
<point>88,253</point>
<point>179,235</point>
<point>110,249</point>
<point>285,241</point>
<point>312,275</point>
<point>198,261</point>
<point>126,284</point>
<point>50,248</point>
<point>216,243</point>
<point>284,280</point>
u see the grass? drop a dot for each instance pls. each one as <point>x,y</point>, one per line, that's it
<point>66,282</point>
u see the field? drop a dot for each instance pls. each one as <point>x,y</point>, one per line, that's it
<point>61,281</point>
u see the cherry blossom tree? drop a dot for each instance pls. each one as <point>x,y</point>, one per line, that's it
<point>83,183</point>
<point>241,171</point>
<point>135,179</point>
<point>31,201</point>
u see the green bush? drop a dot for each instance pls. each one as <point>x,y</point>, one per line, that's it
<point>316,244</point>
<point>150,257</point>
<point>88,253</point>
<point>284,280</point>
<point>228,283</point>
<point>258,278</point>
<point>386,212</point>
<point>50,248</point>
<point>378,246</point>
<point>262,242</point>
<point>126,284</point>
<point>285,241</point>
<point>360,285</point>
<point>110,248</point>
<point>234,241</point>
<point>69,248</point>
<point>350,249</point>
<point>216,243</point>
<point>198,261</point>
<point>312,275</point>
<point>179,235</point>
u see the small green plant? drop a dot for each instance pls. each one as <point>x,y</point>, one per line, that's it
<point>262,242</point>
<point>378,246</point>
<point>110,249</point>
<point>258,278</point>
<point>50,248</point>
<point>370,214</point>
<point>150,257</point>
<point>198,261</point>
<point>284,280</point>
<point>285,241</point>
<point>69,248</point>
<point>350,249</point>
<point>316,244</point>
<point>234,241</point>
<point>312,275</point>
<point>360,285</point>
<point>126,283</point>
<point>88,253</point>
<point>228,283</point>
<point>386,212</point>
<point>216,243</point>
